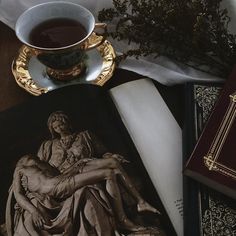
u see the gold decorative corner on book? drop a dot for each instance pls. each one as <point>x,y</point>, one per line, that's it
<point>211,159</point>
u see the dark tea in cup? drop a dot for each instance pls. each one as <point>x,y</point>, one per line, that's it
<point>56,33</point>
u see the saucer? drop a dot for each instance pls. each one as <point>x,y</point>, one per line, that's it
<point>30,73</point>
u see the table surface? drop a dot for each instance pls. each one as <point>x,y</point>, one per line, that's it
<point>10,93</point>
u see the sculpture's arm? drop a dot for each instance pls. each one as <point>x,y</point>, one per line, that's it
<point>24,202</point>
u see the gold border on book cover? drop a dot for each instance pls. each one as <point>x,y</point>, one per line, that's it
<point>211,159</point>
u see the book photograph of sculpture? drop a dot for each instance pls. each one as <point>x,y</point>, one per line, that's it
<point>71,174</point>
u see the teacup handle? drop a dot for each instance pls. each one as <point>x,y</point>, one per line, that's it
<point>95,40</point>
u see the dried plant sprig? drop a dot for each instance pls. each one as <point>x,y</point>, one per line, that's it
<point>194,32</point>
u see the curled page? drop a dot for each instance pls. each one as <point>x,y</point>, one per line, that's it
<point>158,139</point>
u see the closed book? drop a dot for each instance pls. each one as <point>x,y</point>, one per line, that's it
<point>213,160</point>
<point>206,211</point>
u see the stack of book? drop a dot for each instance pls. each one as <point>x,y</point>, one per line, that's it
<point>209,205</point>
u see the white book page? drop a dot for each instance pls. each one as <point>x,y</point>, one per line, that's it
<point>158,139</point>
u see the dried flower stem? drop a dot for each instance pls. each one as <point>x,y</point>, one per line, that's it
<point>194,32</point>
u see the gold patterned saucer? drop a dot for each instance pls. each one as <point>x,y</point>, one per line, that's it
<point>30,74</point>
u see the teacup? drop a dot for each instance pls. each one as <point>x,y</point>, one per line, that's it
<point>59,33</point>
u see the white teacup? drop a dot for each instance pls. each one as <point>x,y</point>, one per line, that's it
<point>67,61</point>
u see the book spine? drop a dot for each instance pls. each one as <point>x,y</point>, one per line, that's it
<point>190,187</point>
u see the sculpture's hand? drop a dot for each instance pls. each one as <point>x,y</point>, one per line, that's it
<point>118,157</point>
<point>70,157</point>
<point>38,219</point>
<point>24,182</point>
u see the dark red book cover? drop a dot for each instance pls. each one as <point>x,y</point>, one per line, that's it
<point>213,161</point>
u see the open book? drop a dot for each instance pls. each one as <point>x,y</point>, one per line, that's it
<point>122,147</point>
